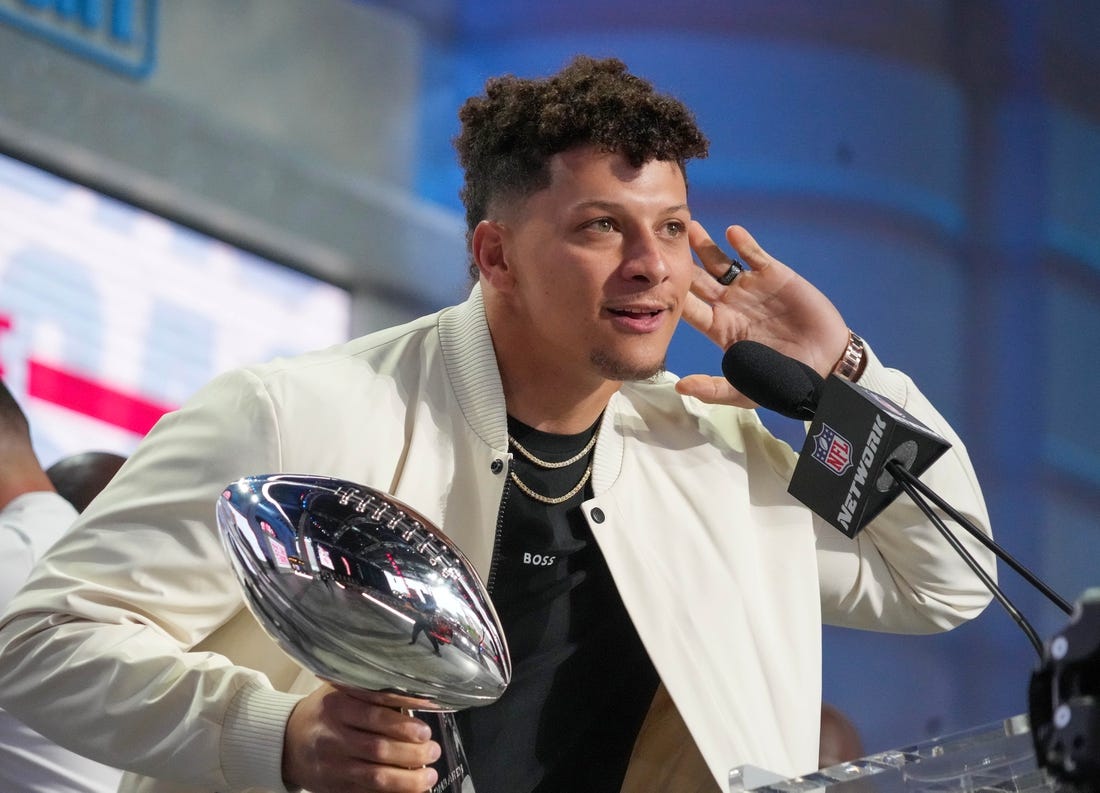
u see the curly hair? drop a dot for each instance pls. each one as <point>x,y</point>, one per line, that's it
<point>510,133</point>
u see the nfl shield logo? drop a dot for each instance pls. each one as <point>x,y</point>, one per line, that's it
<point>832,450</point>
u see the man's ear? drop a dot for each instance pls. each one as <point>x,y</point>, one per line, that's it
<point>487,247</point>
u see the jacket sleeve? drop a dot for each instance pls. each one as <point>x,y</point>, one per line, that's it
<point>96,651</point>
<point>29,525</point>
<point>899,574</point>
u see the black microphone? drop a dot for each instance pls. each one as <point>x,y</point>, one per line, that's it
<point>848,485</point>
<point>773,380</point>
<point>1064,693</point>
<point>855,434</point>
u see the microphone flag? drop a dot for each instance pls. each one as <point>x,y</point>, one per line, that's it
<point>841,474</point>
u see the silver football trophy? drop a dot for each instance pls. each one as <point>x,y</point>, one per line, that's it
<point>366,593</point>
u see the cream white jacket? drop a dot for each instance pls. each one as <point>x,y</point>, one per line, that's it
<point>132,644</point>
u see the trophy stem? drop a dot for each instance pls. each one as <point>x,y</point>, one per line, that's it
<point>452,767</point>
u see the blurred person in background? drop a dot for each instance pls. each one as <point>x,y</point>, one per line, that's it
<point>80,477</point>
<point>33,515</point>
<point>839,741</point>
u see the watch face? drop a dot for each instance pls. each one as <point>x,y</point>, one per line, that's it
<point>362,590</point>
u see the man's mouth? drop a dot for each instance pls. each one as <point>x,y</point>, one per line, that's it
<point>638,319</point>
<point>635,313</point>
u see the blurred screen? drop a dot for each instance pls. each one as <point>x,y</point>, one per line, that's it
<point>111,315</point>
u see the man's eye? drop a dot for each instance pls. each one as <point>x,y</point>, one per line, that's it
<point>602,225</point>
<point>674,228</point>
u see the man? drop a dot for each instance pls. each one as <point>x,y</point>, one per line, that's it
<point>32,517</point>
<point>633,529</point>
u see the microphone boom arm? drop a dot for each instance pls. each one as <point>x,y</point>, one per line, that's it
<point>918,498</point>
<point>899,472</point>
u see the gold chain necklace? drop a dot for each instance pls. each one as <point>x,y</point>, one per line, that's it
<point>547,464</point>
<point>555,500</point>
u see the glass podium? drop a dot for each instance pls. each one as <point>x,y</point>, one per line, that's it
<point>998,757</point>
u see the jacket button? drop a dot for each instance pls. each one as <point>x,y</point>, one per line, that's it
<point>597,515</point>
<point>497,466</point>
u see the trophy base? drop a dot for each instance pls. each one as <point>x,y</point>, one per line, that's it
<point>452,767</point>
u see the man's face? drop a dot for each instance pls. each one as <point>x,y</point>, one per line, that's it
<point>601,265</point>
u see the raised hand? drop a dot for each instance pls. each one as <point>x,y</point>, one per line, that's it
<point>767,302</point>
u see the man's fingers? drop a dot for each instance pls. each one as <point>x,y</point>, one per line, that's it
<point>386,699</point>
<point>710,255</point>
<point>386,720</point>
<point>379,749</point>
<point>721,266</point>
<point>383,778</point>
<point>712,390</point>
<point>748,248</point>
<point>394,724</point>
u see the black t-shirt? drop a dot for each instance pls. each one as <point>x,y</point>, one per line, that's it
<point>582,682</point>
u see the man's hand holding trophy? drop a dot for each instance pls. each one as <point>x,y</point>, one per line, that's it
<point>367,594</point>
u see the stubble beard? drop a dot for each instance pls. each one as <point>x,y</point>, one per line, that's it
<point>622,371</point>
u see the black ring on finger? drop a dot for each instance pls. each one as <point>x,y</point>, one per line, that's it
<point>726,278</point>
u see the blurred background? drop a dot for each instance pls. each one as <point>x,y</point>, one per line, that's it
<point>186,186</point>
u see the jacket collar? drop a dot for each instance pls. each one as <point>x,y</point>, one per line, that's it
<point>471,364</point>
